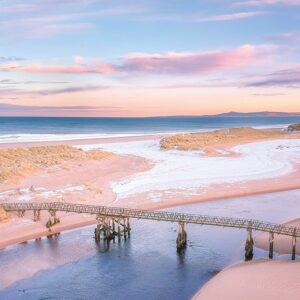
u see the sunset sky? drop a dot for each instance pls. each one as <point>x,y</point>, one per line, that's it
<point>148,58</point>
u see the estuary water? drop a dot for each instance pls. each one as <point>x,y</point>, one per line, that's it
<point>146,266</point>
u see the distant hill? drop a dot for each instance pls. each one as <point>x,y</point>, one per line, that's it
<point>258,114</point>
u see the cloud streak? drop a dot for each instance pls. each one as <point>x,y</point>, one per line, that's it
<point>4,59</point>
<point>11,92</point>
<point>199,19</point>
<point>34,110</point>
<point>77,69</point>
<point>233,16</point>
<point>172,63</point>
<point>40,19</point>
<point>268,2</point>
<point>288,78</point>
<point>197,62</point>
<point>287,37</point>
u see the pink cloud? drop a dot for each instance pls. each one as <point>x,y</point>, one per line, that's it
<point>195,18</point>
<point>267,2</point>
<point>197,62</point>
<point>76,69</point>
<point>231,17</point>
<point>167,63</point>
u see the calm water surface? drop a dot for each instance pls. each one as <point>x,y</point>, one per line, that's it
<point>45,125</point>
<point>147,266</point>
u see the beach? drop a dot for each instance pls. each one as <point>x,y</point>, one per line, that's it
<point>137,172</point>
<point>259,279</point>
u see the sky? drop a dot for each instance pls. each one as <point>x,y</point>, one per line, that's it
<point>148,58</point>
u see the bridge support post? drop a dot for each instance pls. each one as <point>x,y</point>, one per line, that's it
<point>182,237</point>
<point>249,246</point>
<point>271,244</point>
<point>294,248</point>
<point>108,228</point>
<point>119,232</point>
<point>124,228</point>
<point>36,215</point>
<point>53,219</point>
<point>114,229</point>
<point>21,213</point>
<point>128,227</point>
<point>97,233</point>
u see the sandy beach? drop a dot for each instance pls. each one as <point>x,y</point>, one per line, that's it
<point>259,279</point>
<point>140,174</point>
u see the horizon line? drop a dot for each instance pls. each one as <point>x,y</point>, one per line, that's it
<point>222,114</point>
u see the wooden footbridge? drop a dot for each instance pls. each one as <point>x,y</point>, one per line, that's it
<point>114,222</point>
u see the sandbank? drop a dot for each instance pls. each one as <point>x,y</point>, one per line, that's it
<point>260,279</point>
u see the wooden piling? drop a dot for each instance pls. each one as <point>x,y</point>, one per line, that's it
<point>271,244</point>
<point>36,215</point>
<point>119,231</point>
<point>294,248</point>
<point>124,228</point>
<point>182,237</point>
<point>128,227</point>
<point>249,246</point>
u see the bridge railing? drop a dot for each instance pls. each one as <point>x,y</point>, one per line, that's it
<point>156,215</point>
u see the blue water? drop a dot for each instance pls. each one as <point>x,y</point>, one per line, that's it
<point>147,266</point>
<point>26,125</point>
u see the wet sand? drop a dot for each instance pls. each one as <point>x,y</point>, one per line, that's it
<point>259,279</point>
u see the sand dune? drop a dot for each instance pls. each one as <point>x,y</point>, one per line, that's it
<point>207,141</point>
<point>19,162</point>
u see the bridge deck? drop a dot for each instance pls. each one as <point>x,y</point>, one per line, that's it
<point>157,215</point>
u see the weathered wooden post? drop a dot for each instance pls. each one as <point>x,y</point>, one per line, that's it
<point>182,237</point>
<point>113,225</point>
<point>271,244</point>
<point>128,227</point>
<point>97,233</point>
<point>294,245</point>
<point>36,215</point>
<point>21,213</point>
<point>53,219</point>
<point>119,231</point>
<point>104,228</point>
<point>113,229</point>
<point>124,228</point>
<point>249,245</point>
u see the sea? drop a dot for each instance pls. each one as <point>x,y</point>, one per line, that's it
<point>29,129</point>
